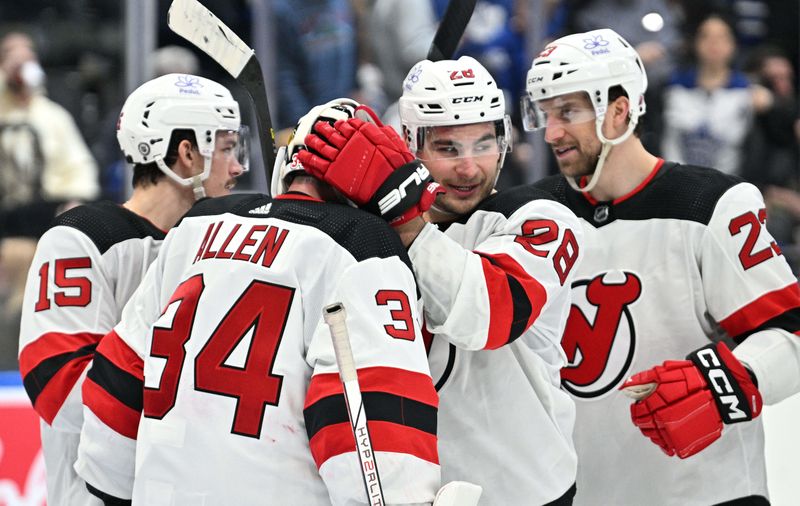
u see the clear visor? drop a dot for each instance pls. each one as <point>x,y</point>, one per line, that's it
<point>565,110</point>
<point>487,139</point>
<point>235,144</point>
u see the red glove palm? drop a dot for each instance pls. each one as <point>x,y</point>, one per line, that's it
<point>371,165</point>
<point>682,404</point>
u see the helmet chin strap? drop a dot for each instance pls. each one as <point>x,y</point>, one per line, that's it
<point>604,151</point>
<point>197,187</point>
<point>196,182</point>
<point>574,182</point>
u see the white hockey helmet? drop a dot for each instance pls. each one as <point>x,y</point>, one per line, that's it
<point>592,63</point>
<point>286,162</point>
<point>172,102</point>
<point>451,93</point>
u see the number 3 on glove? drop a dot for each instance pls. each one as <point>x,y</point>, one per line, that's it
<point>681,405</point>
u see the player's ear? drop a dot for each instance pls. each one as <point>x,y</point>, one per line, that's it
<point>619,110</point>
<point>185,160</point>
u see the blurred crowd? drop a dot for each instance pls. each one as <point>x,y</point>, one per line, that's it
<point>722,91</point>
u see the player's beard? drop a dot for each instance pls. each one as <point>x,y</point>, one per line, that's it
<point>583,161</point>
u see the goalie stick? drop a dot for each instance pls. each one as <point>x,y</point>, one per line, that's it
<point>195,23</point>
<point>335,317</point>
<point>451,28</point>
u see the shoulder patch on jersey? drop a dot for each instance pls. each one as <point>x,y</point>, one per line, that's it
<point>107,223</point>
<point>682,192</point>
<point>507,202</point>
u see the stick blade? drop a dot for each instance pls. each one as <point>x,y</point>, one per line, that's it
<point>192,21</point>
<point>451,28</point>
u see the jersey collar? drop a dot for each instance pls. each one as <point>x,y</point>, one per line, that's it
<point>293,195</point>
<point>633,192</point>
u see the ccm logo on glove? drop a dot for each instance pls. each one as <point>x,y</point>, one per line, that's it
<point>729,396</point>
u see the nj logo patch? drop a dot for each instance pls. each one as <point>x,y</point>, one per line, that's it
<point>600,336</point>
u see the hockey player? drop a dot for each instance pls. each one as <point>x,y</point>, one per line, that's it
<point>678,263</point>
<point>181,132</point>
<point>223,366</point>
<point>494,270</point>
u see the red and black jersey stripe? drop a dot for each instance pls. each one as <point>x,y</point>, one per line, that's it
<point>50,367</point>
<point>515,299</point>
<point>113,389</point>
<point>401,409</point>
<point>776,309</point>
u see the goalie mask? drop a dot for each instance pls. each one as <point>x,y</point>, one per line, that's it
<point>590,63</point>
<point>286,163</point>
<point>451,93</point>
<point>179,102</point>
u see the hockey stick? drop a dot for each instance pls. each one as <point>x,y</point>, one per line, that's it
<point>451,28</point>
<point>198,25</point>
<point>335,316</point>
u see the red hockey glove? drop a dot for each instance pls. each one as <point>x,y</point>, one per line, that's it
<point>371,165</point>
<point>682,404</point>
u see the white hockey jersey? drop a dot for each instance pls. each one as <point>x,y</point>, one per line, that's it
<point>495,288</point>
<point>683,260</point>
<point>85,268</point>
<point>237,379</point>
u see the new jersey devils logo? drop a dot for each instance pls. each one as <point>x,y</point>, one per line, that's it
<point>600,337</point>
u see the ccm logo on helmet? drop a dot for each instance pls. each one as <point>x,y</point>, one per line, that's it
<point>467,100</point>
<point>395,196</point>
<point>717,376</point>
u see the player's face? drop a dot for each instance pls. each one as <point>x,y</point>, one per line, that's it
<point>225,166</point>
<point>464,160</point>
<point>570,132</point>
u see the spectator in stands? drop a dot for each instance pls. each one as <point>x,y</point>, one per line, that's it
<point>318,51</point>
<point>41,150</point>
<point>709,107</point>
<point>45,165</point>
<point>771,157</point>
